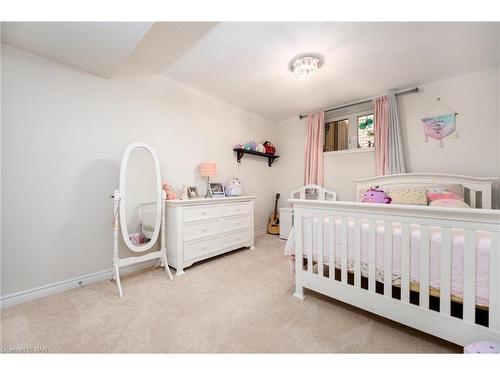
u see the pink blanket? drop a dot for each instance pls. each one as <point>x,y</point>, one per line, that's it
<point>482,263</point>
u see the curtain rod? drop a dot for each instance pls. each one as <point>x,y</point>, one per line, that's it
<point>401,92</point>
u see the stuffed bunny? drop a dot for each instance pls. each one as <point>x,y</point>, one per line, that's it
<point>169,190</point>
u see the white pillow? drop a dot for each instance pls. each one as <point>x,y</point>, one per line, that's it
<point>408,195</point>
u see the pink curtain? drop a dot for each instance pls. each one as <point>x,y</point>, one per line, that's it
<point>381,107</point>
<point>313,172</point>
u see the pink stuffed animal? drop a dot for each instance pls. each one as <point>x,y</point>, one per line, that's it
<point>169,190</point>
<point>374,195</point>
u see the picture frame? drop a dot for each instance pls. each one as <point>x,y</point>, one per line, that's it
<point>193,192</point>
<point>217,189</point>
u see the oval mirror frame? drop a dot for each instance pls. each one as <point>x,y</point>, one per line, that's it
<point>123,197</point>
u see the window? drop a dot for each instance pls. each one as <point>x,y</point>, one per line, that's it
<point>336,135</point>
<point>349,131</point>
<point>366,135</point>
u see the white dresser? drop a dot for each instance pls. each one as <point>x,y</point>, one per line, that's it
<point>198,229</point>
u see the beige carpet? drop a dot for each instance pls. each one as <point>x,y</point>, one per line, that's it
<point>237,303</point>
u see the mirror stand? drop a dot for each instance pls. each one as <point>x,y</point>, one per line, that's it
<point>161,255</point>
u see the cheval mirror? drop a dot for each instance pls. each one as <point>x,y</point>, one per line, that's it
<point>139,210</point>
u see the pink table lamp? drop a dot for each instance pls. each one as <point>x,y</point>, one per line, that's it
<point>208,170</point>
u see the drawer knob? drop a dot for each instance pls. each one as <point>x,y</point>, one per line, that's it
<point>237,223</point>
<point>203,229</point>
<point>203,213</point>
<point>204,246</point>
<point>237,209</point>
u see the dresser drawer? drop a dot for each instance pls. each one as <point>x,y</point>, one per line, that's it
<point>198,248</point>
<point>235,222</point>
<point>235,240</point>
<point>202,212</point>
<point>200,229</point>
<point>231,209</point>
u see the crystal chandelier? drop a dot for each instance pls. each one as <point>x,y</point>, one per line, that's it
<point>305,67</point>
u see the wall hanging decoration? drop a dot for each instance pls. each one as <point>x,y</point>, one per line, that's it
<point>439,127</point>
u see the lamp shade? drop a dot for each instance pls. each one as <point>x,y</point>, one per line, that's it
<point>208,169</point>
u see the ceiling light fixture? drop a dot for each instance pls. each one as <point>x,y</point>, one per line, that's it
<point>304,67</point>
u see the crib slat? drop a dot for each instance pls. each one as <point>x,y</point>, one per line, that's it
<point>319,236</point>
<point>469,300</point>
<point>331,247</point>
<point>343,259</point>
<point>472,194</point>
<point>424,266</point>
<point>372,261</point>
<point>494,298</point>
<point>357,253</point>
<point>445,272</point>
<point>299,257</point>
<point>405,262</point>
<point>485,200</point>
<point>388,259</point>
<point>309,240</point>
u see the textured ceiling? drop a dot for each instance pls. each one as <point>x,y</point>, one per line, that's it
<point>246,64</point>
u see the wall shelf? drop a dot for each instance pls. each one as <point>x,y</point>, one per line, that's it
<point>240,152</point>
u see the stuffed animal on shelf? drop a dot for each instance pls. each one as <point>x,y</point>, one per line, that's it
<point>270,148</point>
<point>374,195</point>
<point>261,148</point>
<point>169,191</point>
<point>233,188</point>
<point>251,146</point>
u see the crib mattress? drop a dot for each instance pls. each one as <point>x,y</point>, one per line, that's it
<point>457,276</point>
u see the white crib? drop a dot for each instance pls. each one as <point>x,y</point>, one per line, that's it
<point>318,273</point>
<point>314,192</point>
<point>310,191</point>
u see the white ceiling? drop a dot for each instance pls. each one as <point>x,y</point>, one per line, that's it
<point>166,42</point>
<point>95,47</point>
<point>246,64</point>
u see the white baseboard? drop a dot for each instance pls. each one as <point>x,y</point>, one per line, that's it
<point>60,286</point>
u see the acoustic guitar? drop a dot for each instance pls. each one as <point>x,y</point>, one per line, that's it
<point>273,226</point>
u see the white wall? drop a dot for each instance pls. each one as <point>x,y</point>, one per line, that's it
<point>63,135</point>
<point>475,96</point>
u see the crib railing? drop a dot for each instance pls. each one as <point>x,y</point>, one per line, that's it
<point>311,243</point>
